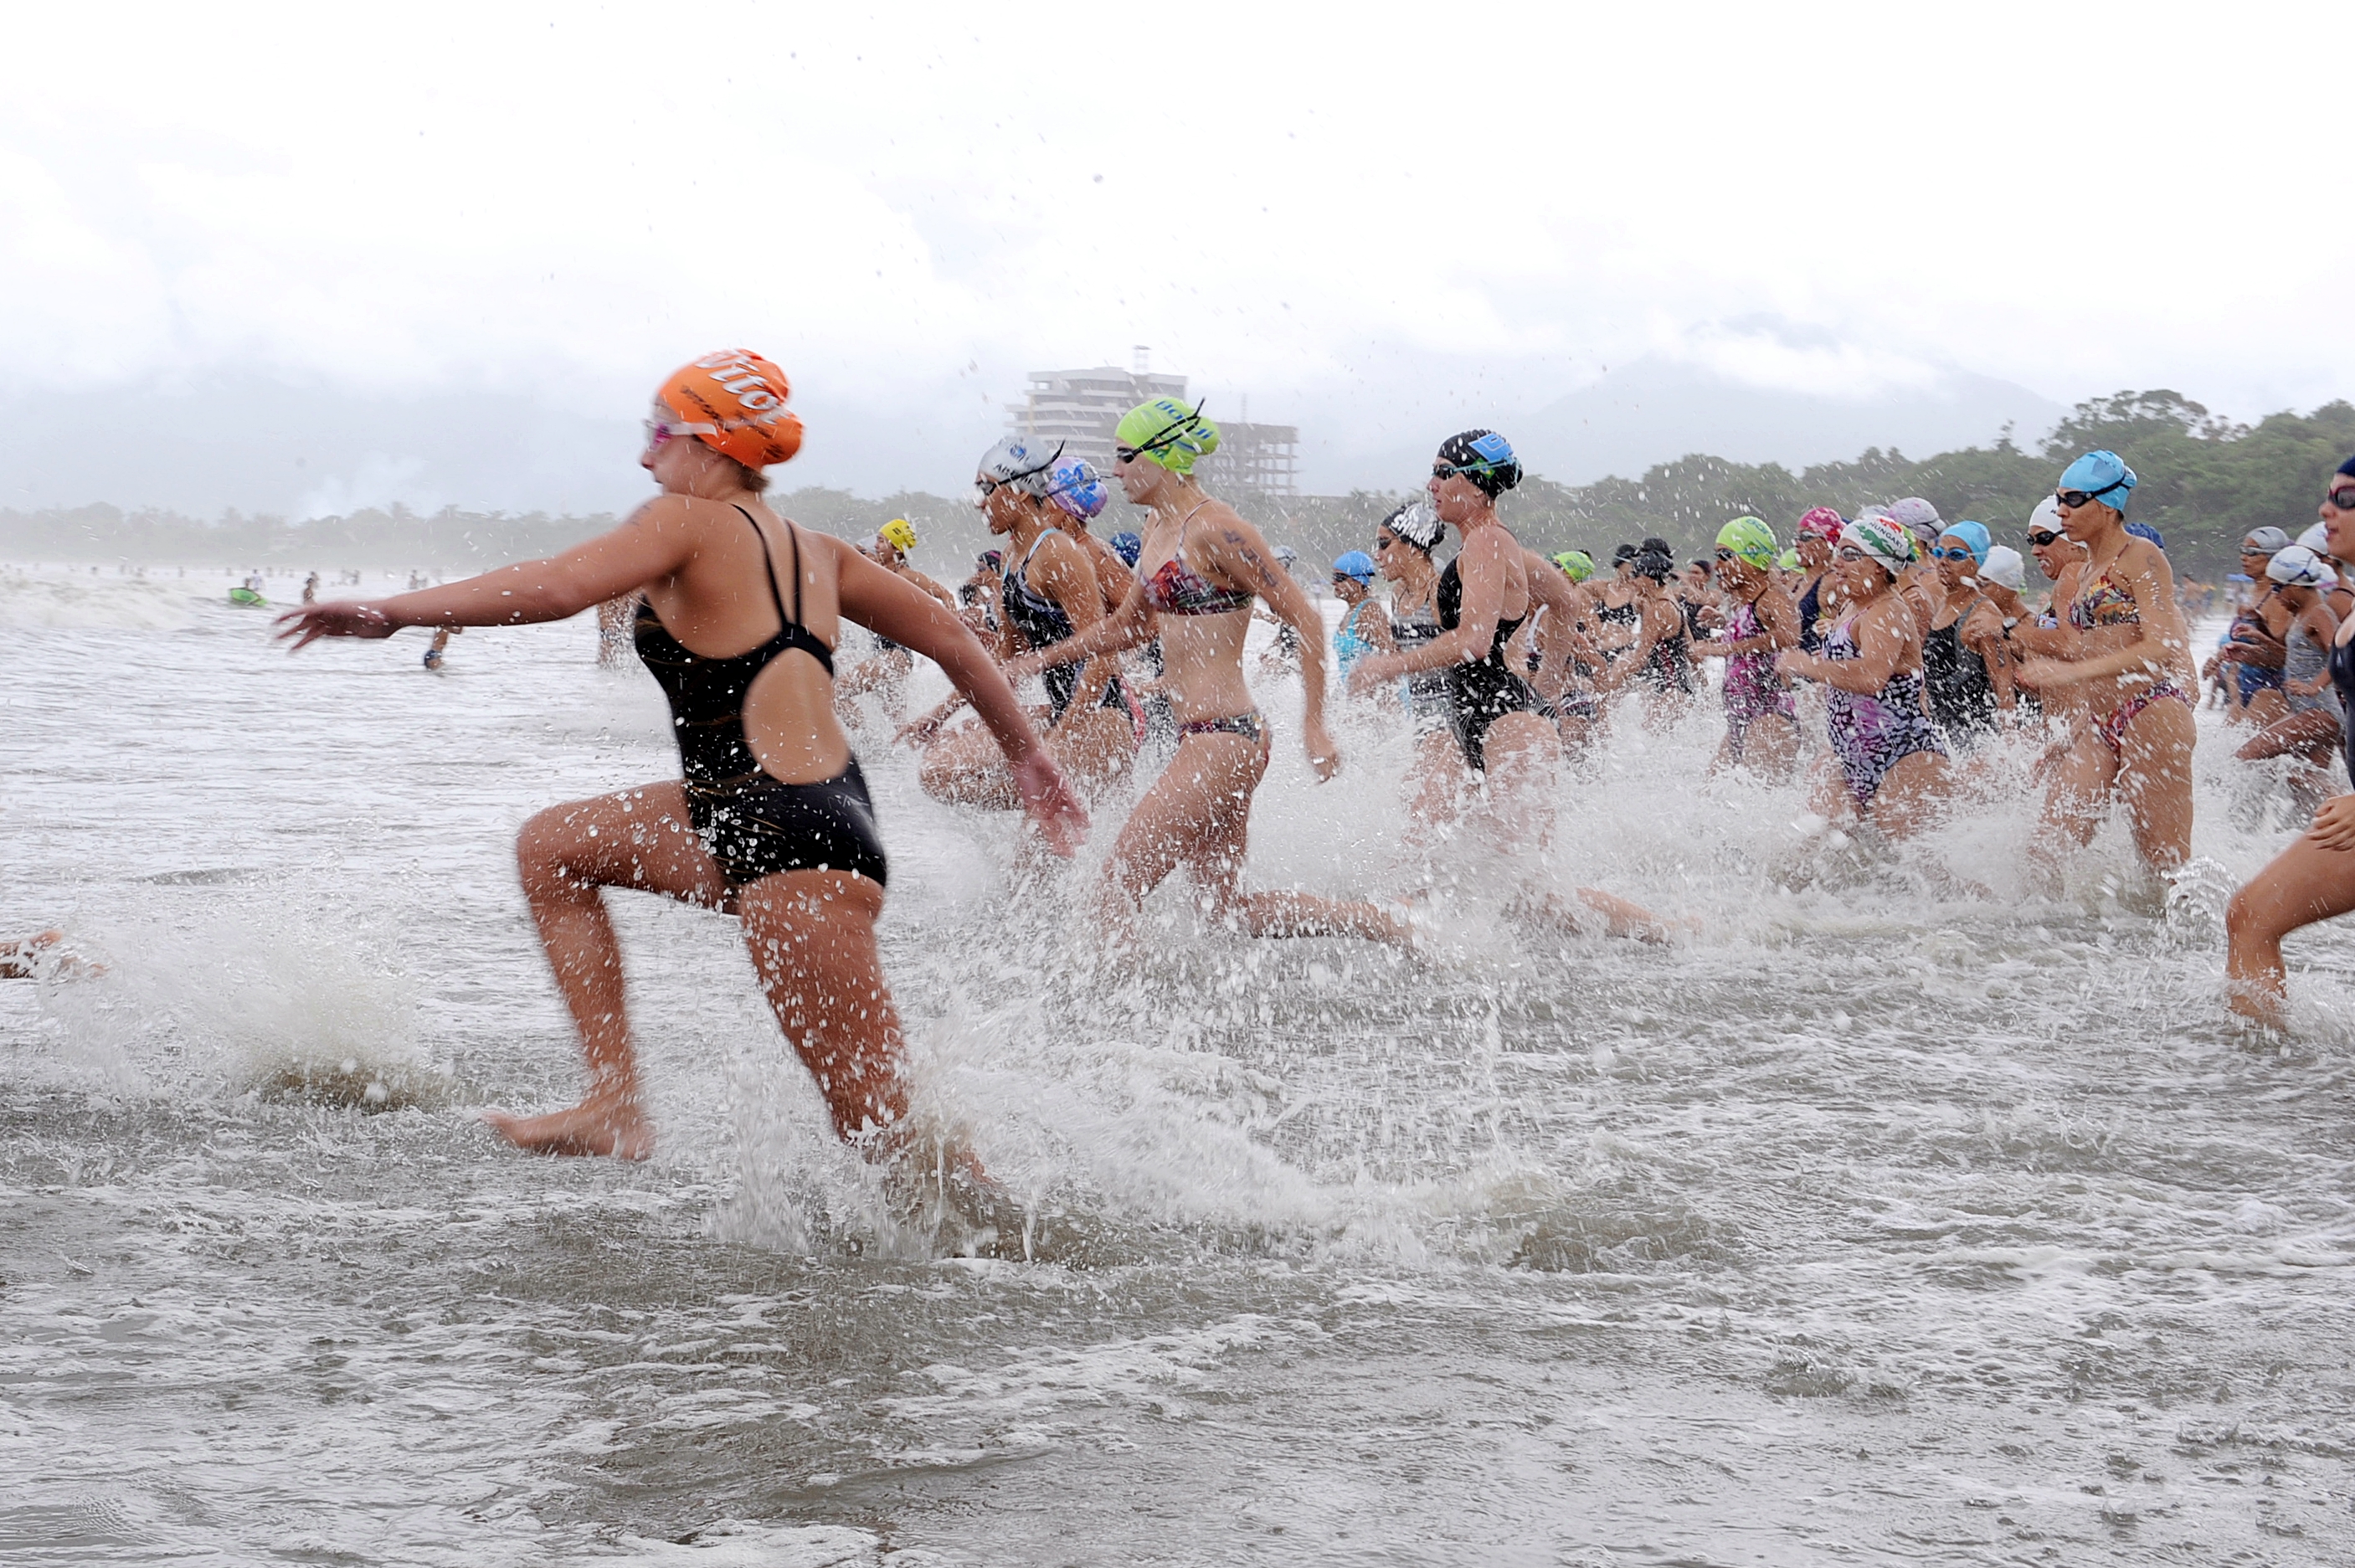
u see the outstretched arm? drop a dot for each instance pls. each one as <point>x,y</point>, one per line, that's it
<point>1126,627</point>
<point>657,542</point>
<point>882,602</point>
<point>1882,635</point>
<point>1481,567</point>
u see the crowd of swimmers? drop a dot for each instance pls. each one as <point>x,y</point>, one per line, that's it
<point>1882,654</point>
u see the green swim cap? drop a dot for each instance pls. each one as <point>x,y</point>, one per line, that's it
<point>1576,564</point>
<point>1789,560</point>
<point>1750,540</point>
<point>1169,432</point>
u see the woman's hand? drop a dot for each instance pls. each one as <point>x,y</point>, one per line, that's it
<point>2334,822</point>
<point>335,618</point>
<point>1323,755</point>
<point>1049,803</point>
<point>1793,664</point>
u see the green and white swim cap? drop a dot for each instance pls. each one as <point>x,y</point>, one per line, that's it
<point>1750,540</point>
<point>1168,432</point>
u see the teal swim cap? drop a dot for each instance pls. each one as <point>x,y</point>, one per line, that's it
<point>1167,431</point>
<point>2102,477</point>
<point>1750,540</point>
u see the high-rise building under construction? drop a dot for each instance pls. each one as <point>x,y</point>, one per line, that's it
<point>1081,408</point>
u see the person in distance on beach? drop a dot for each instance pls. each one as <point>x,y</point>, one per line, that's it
<point>772,821</point>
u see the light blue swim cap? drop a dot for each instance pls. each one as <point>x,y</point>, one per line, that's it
<point>1357,564</point>
<point>2102,474</point>
<point>1974,535</point>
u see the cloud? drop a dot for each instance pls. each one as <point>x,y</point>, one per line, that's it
<point>1398,224</point>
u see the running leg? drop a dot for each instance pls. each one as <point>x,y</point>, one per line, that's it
<point>2303,884</point>
<point>567,856</point>
<point>2154,779</point>
<point>811,938</point>
<point>1217,862</point>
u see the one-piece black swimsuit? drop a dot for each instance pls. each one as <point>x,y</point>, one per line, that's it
<point>1041,622</point>
<point>756,825</point>
<point>1479,691</point>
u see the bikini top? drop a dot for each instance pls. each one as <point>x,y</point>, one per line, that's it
<point>2106,605</point>
<point>1450,603</point>
<point>1177,589</point>
<point>707,695</point>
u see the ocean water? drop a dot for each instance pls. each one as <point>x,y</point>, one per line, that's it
<point>1909,1209</point>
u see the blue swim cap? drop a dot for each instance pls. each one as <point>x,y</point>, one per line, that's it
<point>1974,535</point>
<point>2104,475</point>
<point>1127,546</point>
<point>1357,564</point>
<point>2145,531</point>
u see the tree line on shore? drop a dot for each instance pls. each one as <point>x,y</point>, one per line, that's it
<point>2205,481</point>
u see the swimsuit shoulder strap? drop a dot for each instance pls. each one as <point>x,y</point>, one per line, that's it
<point>1022,570</point>
<point>769,564</point>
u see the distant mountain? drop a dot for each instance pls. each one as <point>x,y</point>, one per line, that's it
<point>1656,411</point>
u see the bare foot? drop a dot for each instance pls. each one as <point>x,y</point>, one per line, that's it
<point>617,1127</point>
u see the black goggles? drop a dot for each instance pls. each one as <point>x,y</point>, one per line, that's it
<point>2073,499</point>
<point>2043,538</point>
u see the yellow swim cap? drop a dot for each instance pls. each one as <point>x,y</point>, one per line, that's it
<point>899,534</point>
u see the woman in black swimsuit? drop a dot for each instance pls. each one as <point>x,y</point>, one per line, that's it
<point>1661,654</point>
<point>1049,593</point>
<point>1503,740</point>
<point>1820,532</point>
<point>772,821</point>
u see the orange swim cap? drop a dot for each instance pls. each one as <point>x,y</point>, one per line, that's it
<point>744,396</point>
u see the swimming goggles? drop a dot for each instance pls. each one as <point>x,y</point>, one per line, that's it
<point>1963,554</point>
<point>1850,552</point>
<point>989,486</point>
<point>2343,497</point>
<point>660,430</point>
<point>2073,499</point>
<point>2044,538</point>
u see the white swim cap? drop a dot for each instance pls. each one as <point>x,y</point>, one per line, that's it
<point>2298,567</point>
<point>2046,519</point>
<point>2005,566</point>
<point>2318,539</point>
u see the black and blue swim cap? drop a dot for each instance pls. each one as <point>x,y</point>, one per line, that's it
<point>1483,457</point>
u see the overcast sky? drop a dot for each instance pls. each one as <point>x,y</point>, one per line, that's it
<point>427,225</point>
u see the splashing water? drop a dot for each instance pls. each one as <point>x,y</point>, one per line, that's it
<point>1877,1215</point>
